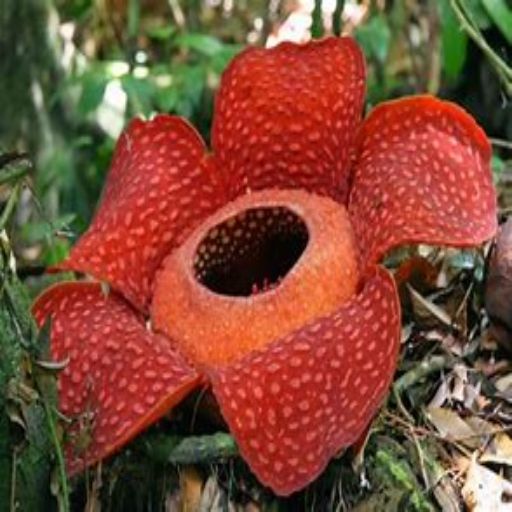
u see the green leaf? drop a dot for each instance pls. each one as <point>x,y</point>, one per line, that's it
<point>453,39</point>
<point>56,252</point>
<point>167,98</point>
<point>93,88</point>
<point>497,166</point>
<point>13,167</point>
<point>78,9</point>
<point>394,483</point>
<point>465,17</point>
<point>479,14</point>
<point>501,15</point>
<point>37,231</point>
<point>375,38</point>
<point>220,61</point>
<point>189,87</point>
<point>161,33</point>
<point>140,93</point>
<point>201,43</point>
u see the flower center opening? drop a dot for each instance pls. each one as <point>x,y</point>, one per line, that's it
<point>264,265</point>
<point>251,252</point>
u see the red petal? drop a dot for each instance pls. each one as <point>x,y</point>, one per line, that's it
<point>160,186</point>
<point>422,175</point>
<point>292,406</point>
<point>286,117</point>
<point>120,377</point>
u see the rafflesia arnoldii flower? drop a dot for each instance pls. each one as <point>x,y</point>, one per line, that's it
<point>253,268</point>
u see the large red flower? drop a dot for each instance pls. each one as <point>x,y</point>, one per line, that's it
<point>256,265</point>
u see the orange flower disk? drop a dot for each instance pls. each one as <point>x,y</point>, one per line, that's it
<point>254,269</point>
<point>208,288</point>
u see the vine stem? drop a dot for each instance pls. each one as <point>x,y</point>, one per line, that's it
<point>500,143</point>
<point>10,206</point>
<point>504,71</point>
<point>64,500</point>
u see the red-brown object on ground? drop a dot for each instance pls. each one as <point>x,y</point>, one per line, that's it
<point>498,287</point>
<point>239,228</point>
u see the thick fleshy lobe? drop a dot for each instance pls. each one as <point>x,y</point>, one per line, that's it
<point>422,175</point>
<point>160,185</point>
<point>293,406</point>
<point>286,117</point>
<point>120,378</point>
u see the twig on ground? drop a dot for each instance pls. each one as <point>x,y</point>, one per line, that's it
<point>501,143</point>
<point>429,365</point>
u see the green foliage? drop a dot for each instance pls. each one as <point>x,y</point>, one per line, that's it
<point>28,434</point>
<point>25,444</point>
<point>76,9</point>
<point>206,45</point>
<point>181,87</point>
<point>375,38</point>
<point>470,23</point>
<point>13,167</point>
<point>501,14</point>
<point>396,485</point>
<point>453,39</point>
<point>93,84</point>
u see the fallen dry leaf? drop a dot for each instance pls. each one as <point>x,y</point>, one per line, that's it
<point>499,450</point>
<point>473,432</point>
<point>449,424</point>
<point>504,383</point>
<point>456,345</point>
<point>456,386</point>
<point>460,382</point>
<point>442,394</point>
<point>426,312</point>
<point>486,491</point>
<point>417,272</point>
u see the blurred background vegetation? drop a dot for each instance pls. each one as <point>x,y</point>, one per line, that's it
<point>73,72</point>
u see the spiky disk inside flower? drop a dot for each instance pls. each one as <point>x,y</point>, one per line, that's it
<point>259,268</point>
